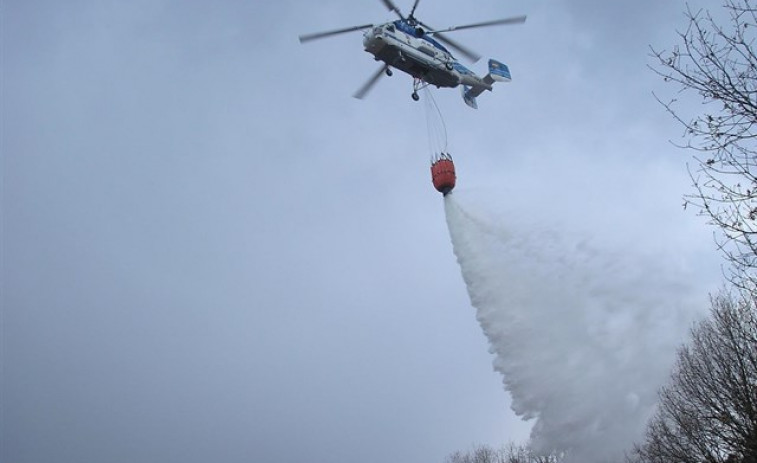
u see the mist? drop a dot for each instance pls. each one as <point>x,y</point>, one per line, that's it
<point>582,321</point>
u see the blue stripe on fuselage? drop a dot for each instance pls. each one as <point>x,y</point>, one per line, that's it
<point>461,69</point>
<point>411,30</point>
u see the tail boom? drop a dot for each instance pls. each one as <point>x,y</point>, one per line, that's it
<point>498,72</point>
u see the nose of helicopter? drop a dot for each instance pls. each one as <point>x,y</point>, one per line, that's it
<point>372,38</point>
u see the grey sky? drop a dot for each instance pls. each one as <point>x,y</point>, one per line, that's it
<point>211,252</point>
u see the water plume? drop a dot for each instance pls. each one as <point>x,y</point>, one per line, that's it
<point>583,324</point>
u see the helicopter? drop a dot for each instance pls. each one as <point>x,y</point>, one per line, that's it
<point>409,45</point>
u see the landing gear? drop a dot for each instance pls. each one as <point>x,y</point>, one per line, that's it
<point>388,72</point>
<point>418,84</point>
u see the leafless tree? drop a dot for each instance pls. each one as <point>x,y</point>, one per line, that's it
<point>510,453</point>
<point>717,63</point>
<point>708,411</point>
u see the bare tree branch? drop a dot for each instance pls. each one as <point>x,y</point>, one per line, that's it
<point>708,411</point>
<point>719,65</point>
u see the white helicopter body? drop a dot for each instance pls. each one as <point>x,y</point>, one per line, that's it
<point>404,45</point>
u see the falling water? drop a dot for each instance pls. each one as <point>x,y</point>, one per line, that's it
<point>583,329</point>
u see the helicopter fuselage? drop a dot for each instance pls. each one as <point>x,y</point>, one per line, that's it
<point>404,45</point>
<point>408,48</point>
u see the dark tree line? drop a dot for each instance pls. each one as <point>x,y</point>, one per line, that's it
<point>708,411</point>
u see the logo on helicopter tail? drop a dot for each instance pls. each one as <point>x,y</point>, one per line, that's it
<point>499,71</point>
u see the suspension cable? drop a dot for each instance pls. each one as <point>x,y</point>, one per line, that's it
<point>436,127</point>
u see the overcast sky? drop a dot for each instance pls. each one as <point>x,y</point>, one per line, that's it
<point>212,252</point>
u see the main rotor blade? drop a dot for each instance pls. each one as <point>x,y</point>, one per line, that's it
<point>360,94</point>
<point>415,5</point>
<point>321,35</point>
<point>392,7</point>
<point>468,53</point>
<point>496,22</point>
